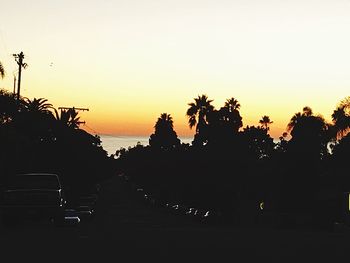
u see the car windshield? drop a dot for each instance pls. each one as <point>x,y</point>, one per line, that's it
<point>34,182</point>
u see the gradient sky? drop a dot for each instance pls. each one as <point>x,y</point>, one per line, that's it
<point>128,61</point>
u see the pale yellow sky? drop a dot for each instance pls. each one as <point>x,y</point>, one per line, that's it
<point>128,61</point>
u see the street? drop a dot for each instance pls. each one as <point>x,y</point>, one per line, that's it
<point>123,225</point>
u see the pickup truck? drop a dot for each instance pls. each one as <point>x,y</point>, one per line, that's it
<point>33,195</point>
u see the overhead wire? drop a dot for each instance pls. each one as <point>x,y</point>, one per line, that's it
<point>94,131</point>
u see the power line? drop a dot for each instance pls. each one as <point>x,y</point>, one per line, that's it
<point>95,132</point>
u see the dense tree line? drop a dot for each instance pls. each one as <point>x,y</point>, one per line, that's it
<point>234,169</point>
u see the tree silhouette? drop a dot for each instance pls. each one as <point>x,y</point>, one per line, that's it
<point>197,114</point>
<point>164,136</point>
<point>341,118</point>
<point>259,142</point>
<point>68,118</point>
<point>340,165</point>
<point>309,135</point>
<point>2,71</point>
<point>281,146</point>
<point>38,105</point>
<point>232,104</point>
<point>230,114</point>
<point>297,117</point>
<point>224,124</point>
<point>265,122</point>
<point>8,107</point>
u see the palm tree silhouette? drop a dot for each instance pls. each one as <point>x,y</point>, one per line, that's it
<point>68,118</point>
<point>232,104</point>
<point>164,136</point>
<point>2,71</point>
<point>265,122</point>
<point>198,111</point>
<point>37,105</point>
<point>165,120</point>
<point>341,118</point>
<point>307,112</point>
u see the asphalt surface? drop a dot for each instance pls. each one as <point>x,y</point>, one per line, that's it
<point>123,227</point>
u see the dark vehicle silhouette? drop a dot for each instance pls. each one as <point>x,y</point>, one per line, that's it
<point>33,195</point>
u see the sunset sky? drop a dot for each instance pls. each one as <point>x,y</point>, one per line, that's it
<point>129,61</point>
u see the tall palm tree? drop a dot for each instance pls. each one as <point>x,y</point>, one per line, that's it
<point>2,71</point>
<point>341,118</point>
<point>232,104</point>
<point>265,122</point>
<point>198,111</point>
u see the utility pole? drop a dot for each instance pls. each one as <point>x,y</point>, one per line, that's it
<point>19,59</point>
<point>14,84</point>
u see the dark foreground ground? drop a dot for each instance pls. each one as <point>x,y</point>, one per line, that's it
<point>125,229</point>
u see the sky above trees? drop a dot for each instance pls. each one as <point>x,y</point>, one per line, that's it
<point>129,61</point>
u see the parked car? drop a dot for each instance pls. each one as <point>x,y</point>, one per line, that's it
<point>71,217</point>
<point>85,212</point>
<point>34,195</point>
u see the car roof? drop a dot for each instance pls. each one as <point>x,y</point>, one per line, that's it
<point>37,174</point>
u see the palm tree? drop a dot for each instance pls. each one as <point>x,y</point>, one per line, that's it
<point>341,118</point>
<point>265,122</point>
<point>164,135</point>
<point>2,71</point>
<point>232,104</point>
<point>68,118</point>
<point>307,112</point>
<point>198,112</point>
<point>165,120</point>
<point>37,105</point>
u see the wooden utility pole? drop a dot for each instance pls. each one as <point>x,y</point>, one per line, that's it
<point>14,84</point>
<point>73,108</point>
<point>19,59</point>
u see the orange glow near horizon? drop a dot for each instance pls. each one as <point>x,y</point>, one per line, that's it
<point>130,61</point>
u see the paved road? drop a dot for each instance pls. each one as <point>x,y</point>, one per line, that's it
<point>123,226</point>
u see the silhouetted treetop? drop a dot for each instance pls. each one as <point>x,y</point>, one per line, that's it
<point>341,118</point>
<point>258,141</point>
<point>8,107</point>
<point>68,118</point>
<point>198,111</point>
<point>310,135</point>
<point>164,136</point>
<point>265,122</point>
<point>165,121</point>
<point>38,105</point>
<point>232,104</point>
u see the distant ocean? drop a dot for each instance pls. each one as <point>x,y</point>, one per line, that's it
<point>111,143</point>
